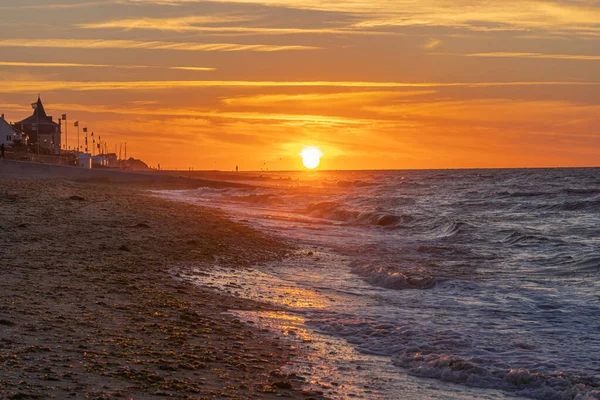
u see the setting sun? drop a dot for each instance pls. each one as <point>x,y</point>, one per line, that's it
<point>311,157</point>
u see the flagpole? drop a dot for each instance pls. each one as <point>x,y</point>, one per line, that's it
<point>86,139</point>
<point>60,140</point>
<point>64,118</point>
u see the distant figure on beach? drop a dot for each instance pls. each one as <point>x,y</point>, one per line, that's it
<point>236,167</point>
<point>2,150</point>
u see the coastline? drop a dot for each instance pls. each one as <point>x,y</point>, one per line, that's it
<point>89,307</point>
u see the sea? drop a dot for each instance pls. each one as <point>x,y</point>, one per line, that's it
<point>431,284</point>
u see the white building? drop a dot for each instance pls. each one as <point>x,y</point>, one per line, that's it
<point>10,136</point>
<point>85,160</point>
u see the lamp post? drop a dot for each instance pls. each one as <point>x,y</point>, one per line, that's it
<point>76,124</point>
<point>64,118</point>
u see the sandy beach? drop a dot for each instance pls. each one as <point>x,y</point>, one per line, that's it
<point>89,306</point>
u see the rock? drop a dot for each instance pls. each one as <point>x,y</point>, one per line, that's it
<point>282,384</point>
<point>77,198</point>
<point>6,322</point>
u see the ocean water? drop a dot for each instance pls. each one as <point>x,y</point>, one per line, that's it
<point>427,284</point>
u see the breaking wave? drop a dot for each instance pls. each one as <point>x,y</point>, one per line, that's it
<point>474,372</point>
<point>394,278</point>
<point>334,211</point>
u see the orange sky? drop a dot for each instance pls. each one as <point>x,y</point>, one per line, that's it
<point>378,84</point>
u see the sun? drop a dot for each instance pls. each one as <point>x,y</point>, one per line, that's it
<point>311,157</point>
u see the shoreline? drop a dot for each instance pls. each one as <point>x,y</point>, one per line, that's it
<point>88,305</point>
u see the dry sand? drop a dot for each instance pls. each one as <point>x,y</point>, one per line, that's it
<point>89,308</point>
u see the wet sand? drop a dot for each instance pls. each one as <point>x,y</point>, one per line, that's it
<point>89,306</point>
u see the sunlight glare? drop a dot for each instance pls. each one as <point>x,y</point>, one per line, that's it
<point>311,157</point>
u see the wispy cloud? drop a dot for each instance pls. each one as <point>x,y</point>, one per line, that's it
<point>62,6</point>
<point>24,64</point>
<point>151,45</point>
<point>32,86</point>
<point>65,65</point>
<point>49,64</point>
<point>536,55</point>
<point>320,100</point>
<point>200,113</point>
<point>495,112</point>
<point>195,24</point>
<point>432,44</point>
<point>194,68</point>
<point>180,24</point>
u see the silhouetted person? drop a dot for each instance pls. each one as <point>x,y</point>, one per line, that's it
<point>2,150</point>
<point>236,168</point>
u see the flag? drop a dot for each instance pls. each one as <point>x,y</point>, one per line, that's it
<point>64,117</point>
<point>84,130</point>
<point>34,105</point>
<point>76,123</point>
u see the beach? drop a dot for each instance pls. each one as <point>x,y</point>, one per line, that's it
<point>431,284</point>
<point>91,305</point>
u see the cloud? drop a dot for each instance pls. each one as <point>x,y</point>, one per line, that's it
<point>200,113</point>
<point>66,65</point>
<point>548,16</point>
<point>193,24</point>
<point>151,45</point>
<point>61,6</point>
<point>432,44</point>
<point>194,68</point>
<point>179,24</point>
<point>495,112</point>
<point>320,100</point>
<point>467,14</point>
<point>33,86</point>
<point>536,55</point>
<point>25,64</point>
<point>49,64</point>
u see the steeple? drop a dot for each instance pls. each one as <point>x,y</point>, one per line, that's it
<point>39,112</point>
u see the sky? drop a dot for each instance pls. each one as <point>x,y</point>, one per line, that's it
<point>378,84</point>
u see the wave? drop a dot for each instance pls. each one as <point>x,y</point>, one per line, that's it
<point>392,278</point>
<point>356,183</point>
<point>518,238</point>
<point>334,211</point>
<point>258,199</point>
<point>592,204</point>
<point>474,372</point>
<point>584,192</point>
<point>450,229</point>
<point>436,354</point>
<point>530,194</point>
<point>585,266</point>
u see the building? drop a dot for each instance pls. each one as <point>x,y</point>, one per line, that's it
<point>44,134</point>
<point>10,136</point>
